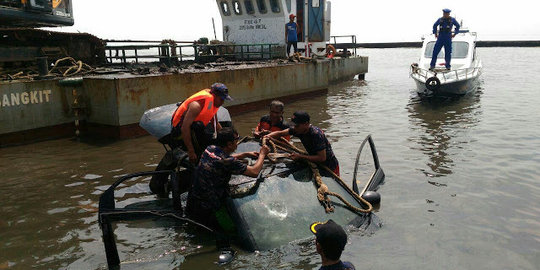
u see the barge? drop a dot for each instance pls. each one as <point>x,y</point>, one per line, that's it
<point>108,102</point>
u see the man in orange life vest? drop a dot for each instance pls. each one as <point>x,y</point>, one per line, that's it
<point>272,122</point>
<point>194,114</point>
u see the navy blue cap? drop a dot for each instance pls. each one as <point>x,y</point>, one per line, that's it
<point>330,235</point>
<point>447,10</point>
<point>221,90</point>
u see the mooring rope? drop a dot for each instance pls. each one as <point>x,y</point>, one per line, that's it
<point>272,147</point>
<point>78,66</point>
<point>322,188</point>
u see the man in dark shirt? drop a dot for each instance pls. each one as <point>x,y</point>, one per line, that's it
<point>330,241</point>
<point>314,141</point>
<point>273,121</point>
<point>210,183</point>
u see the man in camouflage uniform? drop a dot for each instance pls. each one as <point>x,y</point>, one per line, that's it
<point>209,188</point>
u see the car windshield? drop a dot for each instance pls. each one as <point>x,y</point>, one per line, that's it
<point>459,50</point>
<point>284,204</point>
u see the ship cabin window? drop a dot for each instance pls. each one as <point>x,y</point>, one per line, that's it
<point>236,7</point>
<point>460,49</point>
<point>225,8</point>
<point>274,5</point>
<point>249,6</point>
<point>261,4</point>
<point>288,2</point>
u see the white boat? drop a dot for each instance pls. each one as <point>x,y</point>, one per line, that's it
<point>460,79</point>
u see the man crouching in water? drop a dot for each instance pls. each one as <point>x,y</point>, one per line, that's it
<point>314,141</point>
<point>210,183</point>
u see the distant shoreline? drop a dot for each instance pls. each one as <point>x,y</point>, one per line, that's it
<point>509,43</point>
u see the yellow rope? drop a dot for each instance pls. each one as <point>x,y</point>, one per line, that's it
<point>78,66</point>
<point>322,188</point>
<point>273,148</point>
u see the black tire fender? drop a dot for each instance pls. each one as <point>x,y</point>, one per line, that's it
<point>433,83</point>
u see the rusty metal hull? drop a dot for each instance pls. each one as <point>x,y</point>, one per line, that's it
<point>111,105</point>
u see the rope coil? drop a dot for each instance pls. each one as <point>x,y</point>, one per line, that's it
<point>323,192</point>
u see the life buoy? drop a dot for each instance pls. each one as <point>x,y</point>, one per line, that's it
<point>433,83</point>
<point>330,51</point>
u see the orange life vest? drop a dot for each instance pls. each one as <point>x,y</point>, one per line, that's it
<point>207,113</point>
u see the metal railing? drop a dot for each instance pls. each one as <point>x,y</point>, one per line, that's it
<point>176,52</point>
<point>345,46</point>
<point>446,76</point>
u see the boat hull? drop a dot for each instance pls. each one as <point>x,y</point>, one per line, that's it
<point>453,88</point>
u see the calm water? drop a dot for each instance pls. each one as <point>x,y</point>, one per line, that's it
<point>462,180</point>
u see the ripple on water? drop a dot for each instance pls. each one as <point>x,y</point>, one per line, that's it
<point>476,158</point>
<point>92,176</point>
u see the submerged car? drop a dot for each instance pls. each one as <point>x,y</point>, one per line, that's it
<point>262,213</point>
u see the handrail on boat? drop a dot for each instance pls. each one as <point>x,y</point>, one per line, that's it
<point>458,73</point>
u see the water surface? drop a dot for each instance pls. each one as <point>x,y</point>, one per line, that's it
<point>462,180</point>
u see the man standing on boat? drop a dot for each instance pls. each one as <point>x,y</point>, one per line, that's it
<point>444,38</point>
<point>194,114</point>
<point>291,34</point>
<point>314,141</point>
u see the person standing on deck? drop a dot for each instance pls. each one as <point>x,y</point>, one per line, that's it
<point>444,38</point>
<point>291,34</point>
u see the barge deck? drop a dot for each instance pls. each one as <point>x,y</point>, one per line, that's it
<point>110,105</point>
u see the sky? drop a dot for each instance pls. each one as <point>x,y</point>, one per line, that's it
<point>370,21</point>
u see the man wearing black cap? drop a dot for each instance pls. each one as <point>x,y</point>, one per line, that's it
<point>444,38</point>
<point>194,114</point>
<point>330,242</point>
<point>209,189</point>
<point>314,141</point>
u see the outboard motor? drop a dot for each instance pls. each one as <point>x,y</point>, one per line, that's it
<point>157,122</point>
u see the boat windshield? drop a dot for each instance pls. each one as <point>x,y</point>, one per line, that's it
<point>459,50</point>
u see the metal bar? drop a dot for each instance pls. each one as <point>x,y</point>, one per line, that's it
<point>142,41</point>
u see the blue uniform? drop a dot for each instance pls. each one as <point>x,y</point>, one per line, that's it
<point>209,189</point>
<point>211,178</point>
<point>444,39</point>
